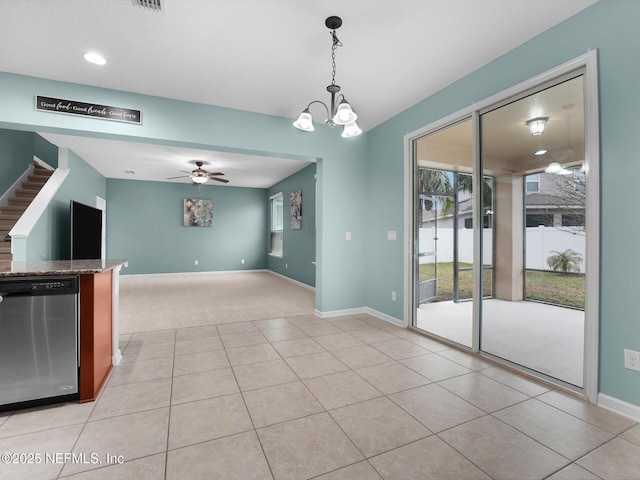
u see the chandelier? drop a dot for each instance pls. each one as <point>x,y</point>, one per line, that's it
<point>342,113</point>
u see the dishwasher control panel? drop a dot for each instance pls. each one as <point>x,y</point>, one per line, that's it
<point>25,286</point>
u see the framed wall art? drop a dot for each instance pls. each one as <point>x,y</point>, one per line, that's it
<point>296,210</point>
<point>198,212</point>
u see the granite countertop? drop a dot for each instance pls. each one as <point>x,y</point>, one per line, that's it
<point>58,267</point>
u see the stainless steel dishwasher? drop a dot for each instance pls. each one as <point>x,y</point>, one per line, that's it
<point>38,340</point>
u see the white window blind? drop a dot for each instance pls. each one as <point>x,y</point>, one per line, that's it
<point>277,221</point>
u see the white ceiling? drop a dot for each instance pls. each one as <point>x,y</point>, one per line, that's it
<point>266,56</point>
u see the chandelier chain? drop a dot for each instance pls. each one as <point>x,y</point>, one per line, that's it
<point>334,45</point>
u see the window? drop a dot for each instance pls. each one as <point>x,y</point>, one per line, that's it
<point>539,220</point>
<point>532,183</point>
<point>275,248</point>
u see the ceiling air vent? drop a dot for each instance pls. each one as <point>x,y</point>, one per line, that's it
<point>155,5</point>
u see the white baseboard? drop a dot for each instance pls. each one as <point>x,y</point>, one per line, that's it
<point>359,310</point>
<point>209,272</point>
<point>621,407</point>
<point>304,285</point>
<point>387,318</point>
<point>338,313</point>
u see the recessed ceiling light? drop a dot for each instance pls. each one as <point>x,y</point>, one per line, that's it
<point>541,152</point>
<point>95,58</point>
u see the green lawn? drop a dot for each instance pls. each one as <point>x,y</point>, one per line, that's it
<point>556,288</point>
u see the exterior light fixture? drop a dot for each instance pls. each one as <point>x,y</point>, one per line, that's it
<point>95,58</point>
<point>554,167</point>
<point>536,125</point>
<point>340,114</point>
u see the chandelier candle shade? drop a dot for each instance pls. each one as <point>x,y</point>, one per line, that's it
<point>340,114</point>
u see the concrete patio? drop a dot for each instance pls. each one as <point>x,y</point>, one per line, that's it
<point>545,338</point>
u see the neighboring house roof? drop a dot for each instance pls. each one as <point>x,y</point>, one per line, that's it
<point>539,200</point>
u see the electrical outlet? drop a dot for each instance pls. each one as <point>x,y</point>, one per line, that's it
<point>195,262</point>
<point>242,261</point>
<point>393,296</point>
<point>632,360</point>
<point>286,265</point>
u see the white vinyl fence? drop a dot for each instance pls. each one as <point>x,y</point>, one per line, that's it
<point>541,242</point>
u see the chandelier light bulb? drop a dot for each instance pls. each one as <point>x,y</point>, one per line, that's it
<point>344,114</point>
<point>351,130</point>
<point>304,121</point>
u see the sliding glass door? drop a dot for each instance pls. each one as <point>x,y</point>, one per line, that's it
<point>444,233</point>
<point>535,314</point>
<point>505,227</point>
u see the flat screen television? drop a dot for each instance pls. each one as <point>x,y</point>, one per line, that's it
<point>86,232</point>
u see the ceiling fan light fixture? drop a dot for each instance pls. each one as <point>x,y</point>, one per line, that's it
<point>200,179</point>
<point>536,125</point>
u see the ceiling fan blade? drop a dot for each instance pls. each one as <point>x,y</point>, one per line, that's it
<point>182,176</point>
<point>219,179</point>
<point>215,174</point>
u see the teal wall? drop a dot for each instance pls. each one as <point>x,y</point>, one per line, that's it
<point>611,26</point>
<point>50,238</point>
<point>17,149</point>
<point>340,162</point>
<point>16,154</point>
<point>145,225</point>
<point>45,151</point>
<point>299,245</point>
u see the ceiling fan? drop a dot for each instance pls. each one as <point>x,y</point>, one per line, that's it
<point>200,175</point>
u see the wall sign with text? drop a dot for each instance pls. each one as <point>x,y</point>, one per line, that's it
<point>71,107</point>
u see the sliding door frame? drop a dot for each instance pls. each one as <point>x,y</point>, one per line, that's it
<point>588,62</point>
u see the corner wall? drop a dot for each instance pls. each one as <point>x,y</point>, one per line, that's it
<point>50,239</point>
<point>299,246</point>
<point>611,27</point>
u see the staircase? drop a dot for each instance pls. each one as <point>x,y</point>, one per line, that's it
<point>10,214</point>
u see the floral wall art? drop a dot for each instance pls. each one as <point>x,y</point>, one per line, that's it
<point>296,210</point>
<point>198,212</point>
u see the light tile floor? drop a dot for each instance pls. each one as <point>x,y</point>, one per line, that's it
<point>302,397</point>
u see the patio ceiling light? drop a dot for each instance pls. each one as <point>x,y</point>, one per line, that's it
<point>536,125</point>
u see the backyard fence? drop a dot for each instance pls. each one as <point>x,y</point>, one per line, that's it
<point>541,242</point>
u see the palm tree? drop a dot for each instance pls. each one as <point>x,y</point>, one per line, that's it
<point>567,261</point>
<point>433,181</point>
